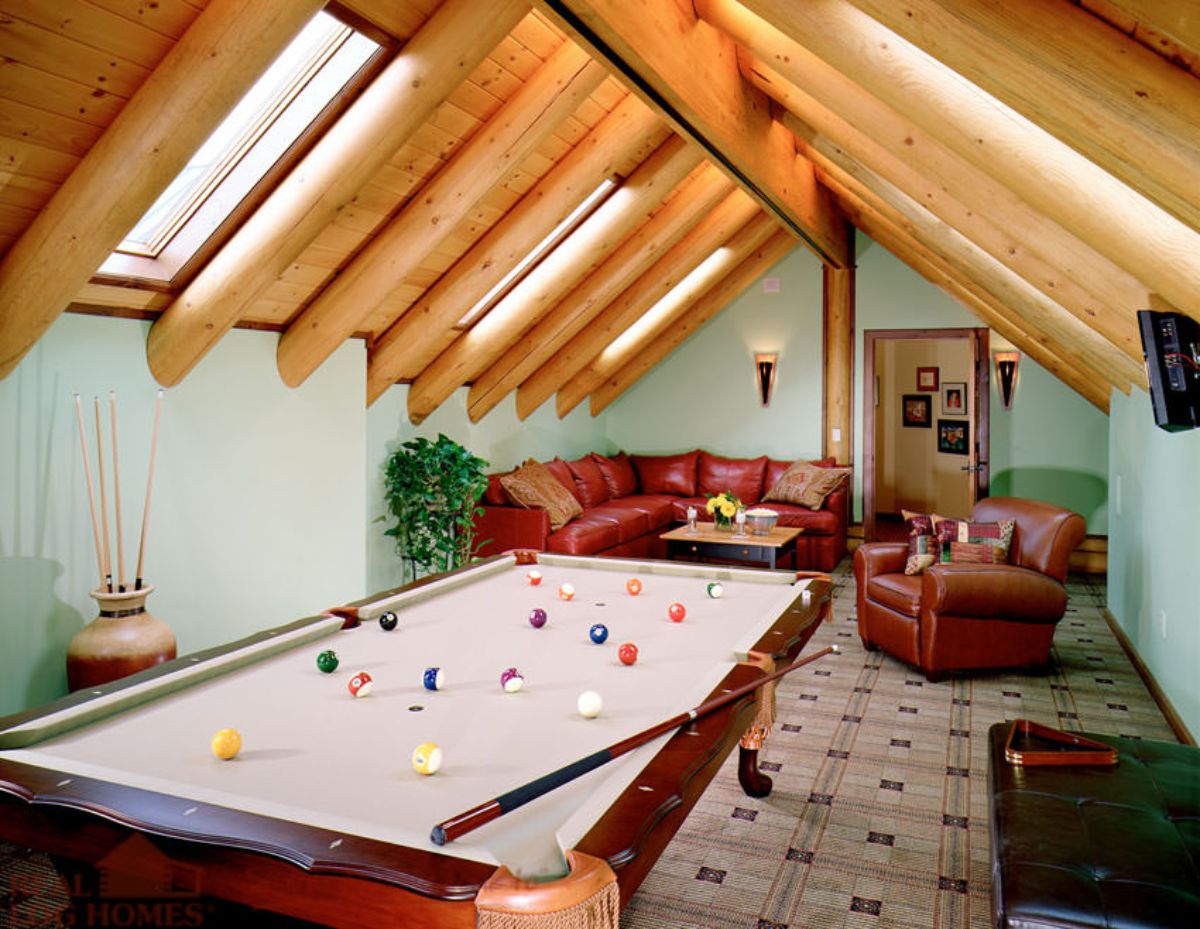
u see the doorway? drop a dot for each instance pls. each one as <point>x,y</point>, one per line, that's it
<point>925,423</point>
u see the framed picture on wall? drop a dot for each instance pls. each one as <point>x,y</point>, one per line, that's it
<point>927,379</point>
<point>954,398</point>
<point>917,410</point>
<point>952,436</point>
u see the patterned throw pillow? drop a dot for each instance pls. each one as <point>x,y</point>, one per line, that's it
<point>922,543</point>
<point>792,483</point>
<point>965,542</point>
<point>824,482</point>
<point>533,486</point>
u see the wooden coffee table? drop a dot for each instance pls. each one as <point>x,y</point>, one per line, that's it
<point>709,542</point>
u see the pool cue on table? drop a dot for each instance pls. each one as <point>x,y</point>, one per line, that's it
<point>87,471</point>
<point>103,498</point>
<point>456,826</point>
<point>112,404</point>
<point>137,582</point>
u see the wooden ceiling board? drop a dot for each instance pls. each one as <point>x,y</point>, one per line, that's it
<point>19,81</point>
<point>170,18</point>
<point>49,130</point>
<point>92,25</point>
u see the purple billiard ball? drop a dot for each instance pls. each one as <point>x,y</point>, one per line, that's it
<point>598,633</point>
<point>537,618</point>
<point>511,680</point>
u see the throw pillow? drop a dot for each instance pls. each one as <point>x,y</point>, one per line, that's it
<point>618,474</point>
<point>922,543</point>
<point>534,487</point>
<point>824,482</point>
<point>792,483</point>
<point>960,541</point>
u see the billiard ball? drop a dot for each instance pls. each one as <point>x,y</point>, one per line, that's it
<point>433,679</point>
<point>676,611</point>
<point>598,633</point>
<point>388,621</point>
<point>566,592</point>
<point>511,680</point>
<point>634,586</point>
<point>590,704</point>
<point>628,653</point>
<point>327,661</point>
<point>537,617</point>
<point>359,685</point>
<point>534,578</point>
<point>426,758</point>
<point>226,743</point>
<point>715,590</point>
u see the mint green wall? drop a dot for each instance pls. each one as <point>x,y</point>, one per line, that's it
<point>1153,544</point>
<point>256,514</point>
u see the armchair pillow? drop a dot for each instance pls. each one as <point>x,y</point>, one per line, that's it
<point>618,474</point>
<point>922,543</point>
<point>533,486</point>
<point>961,541</point>
<point>667,474</point>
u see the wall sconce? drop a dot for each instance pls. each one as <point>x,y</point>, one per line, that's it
<point>1006,375</point>
<point>765,365</point>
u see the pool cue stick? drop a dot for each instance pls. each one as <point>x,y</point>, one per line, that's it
<point>472,819</point>
<point>87,471</point>
<point>103,498</point>
<point>112,405</point>
<point>137,582</point>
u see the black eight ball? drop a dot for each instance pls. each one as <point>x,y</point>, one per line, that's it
<point>388,621</point>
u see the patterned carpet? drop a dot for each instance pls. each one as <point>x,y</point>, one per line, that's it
<point>879,813</point>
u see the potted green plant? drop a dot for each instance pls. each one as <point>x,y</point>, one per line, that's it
<point>432,491</point>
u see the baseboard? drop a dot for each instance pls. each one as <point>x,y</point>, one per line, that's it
<point>1164,704</point>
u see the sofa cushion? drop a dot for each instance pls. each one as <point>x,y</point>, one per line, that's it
<point>659,509</point>
<point>631,522</point>
<point>590,487</point>
<point>618,474</point>
<point>534,486</point>
<point>586,535</point>
<point>743,477</point>
<point>667,474</point>
<point>495,495</point>
<point>558,468</point>
<point>900,592</point>
<point>813,522</point>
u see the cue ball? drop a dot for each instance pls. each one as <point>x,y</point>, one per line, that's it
<point>327,661</point>
<point>598,633</point>
<point>590,704</point>
<point>534,578</point>
<point>359,685</point>
<point>537,617</point>
<point>715,590</point>
<point>628,653</point>
<point>566,592</point>
<point>426,758</point>
<point>433,679</point>
<point>511,680</point>
<point>388,621</point>
<point>676,611</point>
<point>226,743</point>
<point>634,586</point>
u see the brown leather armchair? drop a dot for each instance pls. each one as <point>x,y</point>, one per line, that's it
<point>960,616</point>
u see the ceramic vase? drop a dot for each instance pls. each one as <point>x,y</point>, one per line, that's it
<point>125,637</point>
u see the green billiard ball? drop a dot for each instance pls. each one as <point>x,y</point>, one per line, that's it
<point>715,590</point>
<point>327,661</point>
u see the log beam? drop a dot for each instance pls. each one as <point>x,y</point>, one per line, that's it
<point>709,305</point>
<point>662,49</point>
<point>575,258</point>
<point>437,59</point>
<point>408,346</point>
<point>837,333</point>
<point>555,90</point>
<point>199,81</point>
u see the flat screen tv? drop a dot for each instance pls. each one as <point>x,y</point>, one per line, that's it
<point>1171,345</point>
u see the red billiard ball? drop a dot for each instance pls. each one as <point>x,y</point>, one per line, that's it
<point>359,685</point>
<point>628,653</point>
<point>534,578</point>
<point>634,586</point>
<point>676,611</point>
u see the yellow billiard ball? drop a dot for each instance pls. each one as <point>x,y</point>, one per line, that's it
<point>426,758</point>
<point>226,744</point>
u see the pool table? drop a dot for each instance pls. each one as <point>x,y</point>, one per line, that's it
<point>322,816</point>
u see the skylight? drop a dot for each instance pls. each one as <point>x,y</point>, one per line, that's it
<point>301,83</point>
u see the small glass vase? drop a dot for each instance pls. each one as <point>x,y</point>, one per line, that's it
<point>722,523</point>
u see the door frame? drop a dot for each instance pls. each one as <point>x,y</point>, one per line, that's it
<point>977,460</point>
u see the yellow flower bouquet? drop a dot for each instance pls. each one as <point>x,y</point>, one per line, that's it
<point>723,507</point>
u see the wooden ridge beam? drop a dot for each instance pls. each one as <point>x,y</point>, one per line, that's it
<point>554,91</point>
<point>1176,19</point>
<point>545,284</point>
<point>1133,233</point>
<point>168,118</point>
<point>848,120</point>
<point>657,316</point>
<point>1116,102</point>
<point>699,194</point>
<point>700,312</point>
<point>662,49</point>
<point>737,209</point>
<point>437,59</point>
<point>428,326</point>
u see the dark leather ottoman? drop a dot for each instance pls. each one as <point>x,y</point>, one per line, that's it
<point>1077,846</point>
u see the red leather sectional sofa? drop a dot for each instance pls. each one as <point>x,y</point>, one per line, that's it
<point>629,500</point>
